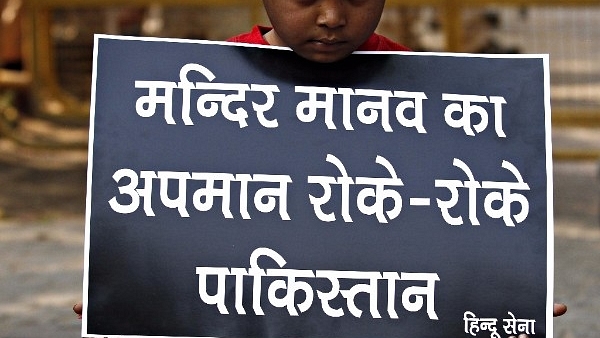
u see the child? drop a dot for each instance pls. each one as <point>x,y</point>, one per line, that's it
<point>327,31</point>
<point>322,30</point>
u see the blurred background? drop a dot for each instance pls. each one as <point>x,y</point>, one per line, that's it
<point>45,76</point>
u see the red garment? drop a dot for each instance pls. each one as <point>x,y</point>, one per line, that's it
<point>375,42</point>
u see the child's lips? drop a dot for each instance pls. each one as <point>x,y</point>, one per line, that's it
<point>327,44</point>
<point>328,41</point>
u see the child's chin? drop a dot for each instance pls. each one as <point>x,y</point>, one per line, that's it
<point>325,57</point>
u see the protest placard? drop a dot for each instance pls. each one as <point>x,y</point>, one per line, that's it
<point>242,191</point>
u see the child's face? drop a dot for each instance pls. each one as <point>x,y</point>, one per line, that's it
<point>322,30</point>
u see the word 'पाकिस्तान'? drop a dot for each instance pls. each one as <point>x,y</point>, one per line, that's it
<point>292,285</point>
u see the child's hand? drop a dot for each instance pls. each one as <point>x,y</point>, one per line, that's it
<point>559,309</point>
<point>78,309</point>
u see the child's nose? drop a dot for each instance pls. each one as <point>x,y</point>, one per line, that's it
<point>332,13</point>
